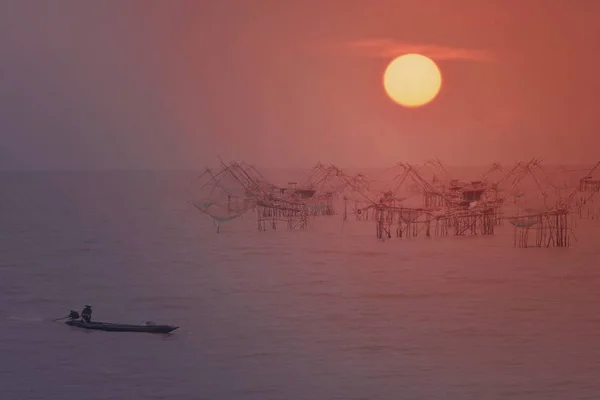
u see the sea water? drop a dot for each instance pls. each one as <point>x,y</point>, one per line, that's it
<point>326,313</point>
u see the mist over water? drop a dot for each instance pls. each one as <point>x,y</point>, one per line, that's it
<point>326,313</point>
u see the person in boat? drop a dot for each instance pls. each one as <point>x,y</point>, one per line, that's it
<point>73,315</point>
<point>86,314</point>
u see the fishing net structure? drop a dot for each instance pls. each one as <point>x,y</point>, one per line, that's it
<point>229,192</point>
<point>330,187</point>
<point>236,188</point>
<point>446,205</point>
<point>549,208</point>
<point>407,200</point>
<point>586,200</point>
<point>411,203</point>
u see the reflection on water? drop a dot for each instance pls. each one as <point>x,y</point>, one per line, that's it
<point>278,315</point>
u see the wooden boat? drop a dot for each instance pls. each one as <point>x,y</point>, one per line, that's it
<point>110,327</point>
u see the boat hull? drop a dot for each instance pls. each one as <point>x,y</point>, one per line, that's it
<point>109,327</point>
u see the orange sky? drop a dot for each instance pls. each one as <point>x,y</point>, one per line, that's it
<point>157,84</point>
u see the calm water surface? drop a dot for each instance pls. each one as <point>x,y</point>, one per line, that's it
<point>308,315</point>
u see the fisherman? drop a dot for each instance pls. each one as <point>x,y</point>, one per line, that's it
<point>73,315</point>
<point>86,314</point>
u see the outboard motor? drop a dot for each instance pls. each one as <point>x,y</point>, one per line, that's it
<point>73,315</point>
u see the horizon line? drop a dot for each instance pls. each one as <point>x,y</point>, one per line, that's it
<point>308,166</point>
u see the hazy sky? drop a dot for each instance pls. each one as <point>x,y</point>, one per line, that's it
<point>172,84</point>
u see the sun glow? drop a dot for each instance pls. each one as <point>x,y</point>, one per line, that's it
<point>412,80</point>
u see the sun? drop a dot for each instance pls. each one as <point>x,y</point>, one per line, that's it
<point>412,80</point>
